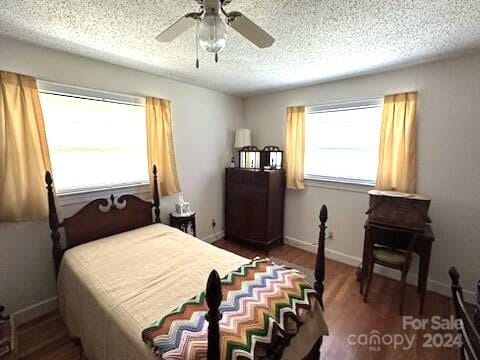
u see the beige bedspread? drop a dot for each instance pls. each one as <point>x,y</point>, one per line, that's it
<point>111,289</point>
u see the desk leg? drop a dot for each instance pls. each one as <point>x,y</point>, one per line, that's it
<point>423,273</point>
<point>363,275</point>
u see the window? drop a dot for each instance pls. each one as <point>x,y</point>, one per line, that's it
<point>342,140</point>
<point>96,140</point>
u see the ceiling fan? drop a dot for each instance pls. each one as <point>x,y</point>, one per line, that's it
<point>212,21</point>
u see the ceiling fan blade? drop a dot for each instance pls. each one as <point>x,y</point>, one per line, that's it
<point>177,28</point>
<point>250,30</point>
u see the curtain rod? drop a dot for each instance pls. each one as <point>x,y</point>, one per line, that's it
<point>346,105</point>
<point>74,91</point>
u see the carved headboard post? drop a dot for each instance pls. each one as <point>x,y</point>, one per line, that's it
<point>156,196</point>
<point>320,261</point>
<point>57,250</point>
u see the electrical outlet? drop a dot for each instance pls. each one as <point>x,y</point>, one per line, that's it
<point>213,223</point>
<point>330,235</point>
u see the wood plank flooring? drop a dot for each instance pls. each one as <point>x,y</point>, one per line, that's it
<point>345,312</point>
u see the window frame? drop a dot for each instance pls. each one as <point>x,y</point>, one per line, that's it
<point>78,196</point>
<point>333,182</point>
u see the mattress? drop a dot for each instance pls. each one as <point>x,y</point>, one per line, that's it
<point>111,289</point>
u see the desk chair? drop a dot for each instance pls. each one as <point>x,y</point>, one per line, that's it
<point>380,253</point>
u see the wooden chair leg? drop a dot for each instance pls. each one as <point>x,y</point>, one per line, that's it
<point>369,278</point>
<point>402,291</point>
<point>359,277</point>
<point>364,265</point>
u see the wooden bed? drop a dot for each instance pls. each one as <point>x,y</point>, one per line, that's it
<point>103,218</point>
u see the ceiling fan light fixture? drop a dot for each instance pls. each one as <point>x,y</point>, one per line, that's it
<point>212,22</point>
<point>212,33</point>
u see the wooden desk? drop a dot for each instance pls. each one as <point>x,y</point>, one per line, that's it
<point>423,248</point>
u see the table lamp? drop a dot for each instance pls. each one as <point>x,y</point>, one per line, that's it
<point>242,138</point>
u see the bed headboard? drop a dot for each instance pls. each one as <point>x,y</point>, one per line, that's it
<point>100,218</point>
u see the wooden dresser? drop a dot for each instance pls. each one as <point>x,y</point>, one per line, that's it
<point>254,205</point>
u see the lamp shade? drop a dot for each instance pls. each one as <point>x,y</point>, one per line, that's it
<point>242,138</point>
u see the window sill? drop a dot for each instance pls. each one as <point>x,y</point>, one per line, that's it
<point>85,196</point>
<point>339,184</point>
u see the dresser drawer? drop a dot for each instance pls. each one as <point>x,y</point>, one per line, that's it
<point>254,177</point>
<point>234,176</point>
<point>247,176</point>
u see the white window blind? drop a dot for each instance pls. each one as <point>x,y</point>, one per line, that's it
<point>342,140</point>
<point>95,142</point>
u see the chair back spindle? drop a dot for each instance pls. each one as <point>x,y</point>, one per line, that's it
<point>468,330</point>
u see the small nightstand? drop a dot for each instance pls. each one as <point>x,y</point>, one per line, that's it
<point>184,223</point>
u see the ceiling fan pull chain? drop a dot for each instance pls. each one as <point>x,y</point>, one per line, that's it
<point>216,57</point>
<point>197,63</point>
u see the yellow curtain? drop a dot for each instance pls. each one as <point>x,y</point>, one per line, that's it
<point>160,145</point>
<point>295,146</point>
<point>24,156</point>
<point>397,158</point>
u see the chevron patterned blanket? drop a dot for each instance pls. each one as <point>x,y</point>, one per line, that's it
<point>264,305</point>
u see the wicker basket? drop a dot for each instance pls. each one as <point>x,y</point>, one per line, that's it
<point>406,211</point>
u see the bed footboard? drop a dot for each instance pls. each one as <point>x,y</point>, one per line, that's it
<point>214,296</point>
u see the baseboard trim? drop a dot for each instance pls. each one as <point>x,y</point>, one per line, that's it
<point>432,285</point>
<point>34,311</point>
<point>214,237</point>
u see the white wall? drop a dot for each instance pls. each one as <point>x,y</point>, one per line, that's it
<point>204,122</point>
<point>448,161</point>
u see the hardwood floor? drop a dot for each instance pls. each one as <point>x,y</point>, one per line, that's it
<point>346,314</point>
<point>46,338</point>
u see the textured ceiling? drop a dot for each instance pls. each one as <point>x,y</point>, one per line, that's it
<point>316,40</point>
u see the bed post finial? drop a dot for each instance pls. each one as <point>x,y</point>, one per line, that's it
<point>53,223</point>
<point>213,297</point>
<point>320,262</point>
<point>156,197</point>
<point>455,277</point>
